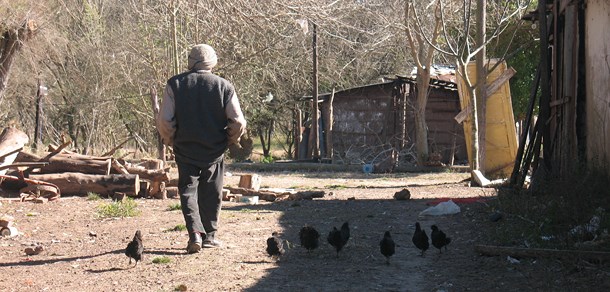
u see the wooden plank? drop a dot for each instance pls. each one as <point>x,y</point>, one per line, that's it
<point>491,89</point>
<point>519,252</point>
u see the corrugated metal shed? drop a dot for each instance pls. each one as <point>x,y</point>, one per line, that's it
<point>374,122</point>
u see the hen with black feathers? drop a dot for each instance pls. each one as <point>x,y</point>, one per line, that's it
<point>345,233</point>
<point>310,238</point>
<point>420,239</point>
<point>275,247</point>
<point>439,239</point>
<point>387,246</point>
<point>335,239</point>
<point>135,248</point>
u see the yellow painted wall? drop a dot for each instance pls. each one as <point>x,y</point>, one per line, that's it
<point>500,136</point>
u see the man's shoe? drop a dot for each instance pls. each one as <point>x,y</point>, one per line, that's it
<point>194,245</point>
<point>212,243</point>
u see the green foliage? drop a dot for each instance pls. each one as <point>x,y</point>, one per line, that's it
<point>174,207</point>
<point>127,208</point>
<point>268,159</point>
<point>520,46</point>
<point>161,260</point>
<point>179,227</point>
<point>93,196</point>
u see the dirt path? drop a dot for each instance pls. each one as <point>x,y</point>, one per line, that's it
<point>74,260</point>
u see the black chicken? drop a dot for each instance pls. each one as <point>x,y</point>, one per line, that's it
<point>335,239</point>
<point>345,233</point>
<point>439,239</point>
<point>275,247</point>
<point>387,246</point>
<point>309,237</point>
<point>135,248</point>
<point>420,239</point>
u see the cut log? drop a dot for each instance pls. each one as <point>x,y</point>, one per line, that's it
<point>118,167</point>
<point>172,192</point>
<point>150,163</point>
<point>271,196</point>
<point>159,175</point>
<point>304,195</point>
<point>27,157</point>
<point>250,181</point>
<point>79,184</point>
<point>518,252</point>
<point>11,142</point>
<point>70,162</point>
<point>263,195</point>
<point>157,190</point>
<point>144,187</point>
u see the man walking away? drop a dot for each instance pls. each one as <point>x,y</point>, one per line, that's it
<point>200,117</point>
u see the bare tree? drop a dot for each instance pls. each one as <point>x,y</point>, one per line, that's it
<point>16,27</point>
<point>458,39</point>
<point>422,54</point>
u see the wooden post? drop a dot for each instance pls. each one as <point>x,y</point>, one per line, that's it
<point>40,93</point>
<point>315,116</point>
<point>545,94</point>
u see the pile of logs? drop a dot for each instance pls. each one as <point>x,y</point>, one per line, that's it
<point>249,185</point>
<point>77,174</point>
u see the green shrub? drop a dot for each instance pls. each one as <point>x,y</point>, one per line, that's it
<point>179,227</point>
<point>127,208</point>
<point>174,207</point>
<point>93,196</point>
<point>268,159</point>
<point>161,260</point>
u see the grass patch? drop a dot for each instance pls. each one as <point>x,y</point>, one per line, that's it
<point>336,187</point>
<point>91,196</point>
<point>128,208</point>
<point>179,227</point>
<point>161,260</point>
<point>174,207</point>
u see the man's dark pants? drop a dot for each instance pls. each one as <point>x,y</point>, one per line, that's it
<point>200,191</point>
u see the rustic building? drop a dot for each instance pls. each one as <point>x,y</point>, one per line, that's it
<point>573,127</point>
<point>374,123</point>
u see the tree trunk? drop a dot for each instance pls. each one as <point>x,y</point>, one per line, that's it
<point>421,129</point>
<point>79,184</point>
<point>11,40</point>
<point>11,142</point>
<point>71,162</point>
<point>298,133</point>
<point>154,100</point>
<point>315,115</point>
<point>481,92</point>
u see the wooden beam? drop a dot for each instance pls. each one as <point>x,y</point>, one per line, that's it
<point>519,252</point>
<point>491,89</point>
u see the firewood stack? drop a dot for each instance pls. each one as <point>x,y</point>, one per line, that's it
<point>78,174</point>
